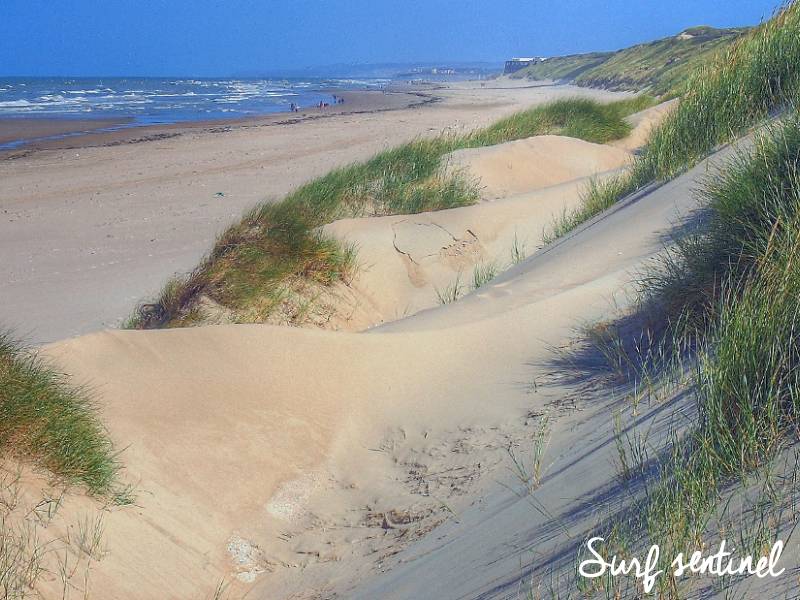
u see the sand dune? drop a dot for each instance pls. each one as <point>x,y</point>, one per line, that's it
<point>509,545</point>
<point>292,457</point>
<point>643,122</point>
<point>524,165</point>
<point>294,461</point>
<point>407,260</point>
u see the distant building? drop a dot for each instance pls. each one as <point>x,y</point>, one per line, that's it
<point>517,64</point>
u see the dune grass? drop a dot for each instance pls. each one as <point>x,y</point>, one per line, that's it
<point>46,419</point>
<point>255,264</point>
<point>751,203</point>
<point>661,67</point>
<point>753,78</point>
<point>730,292</point>
<point>738,284</point>
<point>579,118</point>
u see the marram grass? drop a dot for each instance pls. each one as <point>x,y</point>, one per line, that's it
<point>733,288</point>
<point>738,282</point>
<point>46,419</point>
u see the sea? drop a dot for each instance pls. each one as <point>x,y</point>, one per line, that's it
<point>150,101</point>
<point>132,101</point>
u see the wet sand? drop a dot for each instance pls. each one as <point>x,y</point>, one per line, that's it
<point>23,128</point>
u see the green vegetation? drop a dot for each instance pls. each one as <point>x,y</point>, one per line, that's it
<point>452,292</point>
<point>734,289</point>
<point>483,273</point>
<point>278,254</point>
<point>579,118</point>
<point>44,418</point>
<point>728,299</point>
<point>660,67</point>
<point>563,68</point>
<point>723,304</point>
<point>737,283</point>
<point>743,86</point>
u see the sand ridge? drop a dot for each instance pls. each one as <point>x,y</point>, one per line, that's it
<point>284,460</point>
<point>407,262</point>
<point>643,123</point>
<point>542,161</point>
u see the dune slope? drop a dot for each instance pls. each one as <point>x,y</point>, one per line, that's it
<point>299,461</point>
<point>407,262</point>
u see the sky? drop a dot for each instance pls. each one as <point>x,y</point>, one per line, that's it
<point>229,37</point>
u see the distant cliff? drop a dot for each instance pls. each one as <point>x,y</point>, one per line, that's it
<point>659,67</point>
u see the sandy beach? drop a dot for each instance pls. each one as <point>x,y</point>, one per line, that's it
<point>92,228</point>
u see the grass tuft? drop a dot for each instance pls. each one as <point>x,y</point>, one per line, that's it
<point>451,293</point>
<point>44,418</point>
<point>483,273</point>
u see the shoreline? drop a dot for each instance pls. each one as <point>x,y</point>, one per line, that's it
<point>68,134</point>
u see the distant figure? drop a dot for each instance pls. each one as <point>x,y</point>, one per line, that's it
<point>292,107</point>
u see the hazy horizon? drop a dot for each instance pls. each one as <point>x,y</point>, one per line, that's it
<point>89,38</point>
<point>332,71</point>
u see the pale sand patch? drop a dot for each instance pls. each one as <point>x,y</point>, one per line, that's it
<point>525,165</point>
<point>288,503</point>
<point>643,123</point>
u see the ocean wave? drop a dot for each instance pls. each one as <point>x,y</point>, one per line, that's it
<point>59,99</point>
<point>92,91</point>
<point>186,95</point>
<point>16,104</point>
<point>167,100</point>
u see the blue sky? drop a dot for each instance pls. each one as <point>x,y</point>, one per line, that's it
<point>223,37</point>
